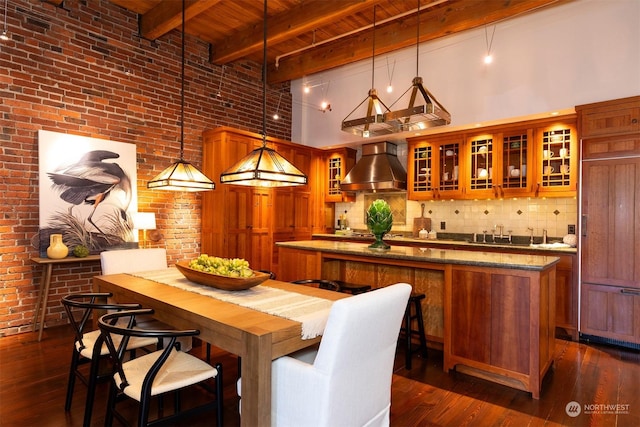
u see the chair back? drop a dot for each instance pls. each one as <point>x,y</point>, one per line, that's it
<point>119,327</point>
<point>133,260</point>
<point>329,285</point>
<point>357,353</point>
<point>80,306</point>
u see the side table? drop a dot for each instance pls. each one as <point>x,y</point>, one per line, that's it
<point>45,282</point>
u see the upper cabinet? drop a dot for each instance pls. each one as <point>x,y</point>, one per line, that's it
<point>557,159</point>
<point>434,169</point>
<point>339,163</point>
<point>610,118</point>
<point>533,158</point>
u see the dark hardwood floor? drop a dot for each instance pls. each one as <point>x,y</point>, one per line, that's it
<point>33,378</point>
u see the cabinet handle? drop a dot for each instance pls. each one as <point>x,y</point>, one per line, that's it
<point>632,292</point>
<point>584,225</point>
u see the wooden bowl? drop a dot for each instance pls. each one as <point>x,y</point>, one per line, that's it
<point>221,282</point>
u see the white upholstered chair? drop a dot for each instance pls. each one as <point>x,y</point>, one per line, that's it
<point>347,380</point>
<point>135,261</point>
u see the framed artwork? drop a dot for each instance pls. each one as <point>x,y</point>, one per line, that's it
<point>87,191</point>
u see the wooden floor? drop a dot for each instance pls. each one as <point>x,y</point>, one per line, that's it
<point>33,377</point>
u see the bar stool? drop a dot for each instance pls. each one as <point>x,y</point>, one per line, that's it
<point>414,312</point>
<point>351,288</point>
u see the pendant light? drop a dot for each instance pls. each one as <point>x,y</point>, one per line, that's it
<point>373,122</point>
<point>427,113</point>
<point>181,175</point>
<point>264,167</point>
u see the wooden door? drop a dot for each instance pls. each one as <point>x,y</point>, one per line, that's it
<point>261,229</point>
<point>610,217</point>
<point>238,208</point>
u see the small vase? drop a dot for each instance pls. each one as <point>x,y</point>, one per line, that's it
<point>57,249</point>
<point>378,243</point>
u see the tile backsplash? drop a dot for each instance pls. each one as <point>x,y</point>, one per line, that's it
<point>475,216</point>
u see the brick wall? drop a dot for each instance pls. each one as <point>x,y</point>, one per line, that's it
<point>83,69</point>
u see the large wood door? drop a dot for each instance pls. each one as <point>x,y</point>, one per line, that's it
<point>261,229</point>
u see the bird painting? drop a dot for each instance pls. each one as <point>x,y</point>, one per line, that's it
<point>91,180</point>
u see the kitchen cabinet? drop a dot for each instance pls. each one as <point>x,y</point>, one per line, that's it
<point>434,170</point>
<point>536,158</point>
<point>338,164</point>
<point>610,237</point>
<point>557,160</point>
<point>243,222</point>
<point>501,322</point>
<point>514,175</point>
<point>484,160</point>
<point>610,118</point>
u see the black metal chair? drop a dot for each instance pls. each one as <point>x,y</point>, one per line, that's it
<point>155,374</point>
<point>329,285</point>
<point>88,346</point>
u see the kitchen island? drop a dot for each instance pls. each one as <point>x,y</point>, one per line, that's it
<point>493,313</point>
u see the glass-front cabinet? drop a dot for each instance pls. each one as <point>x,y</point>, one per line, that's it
<point>434,170</point>
<point>339,163</point>
<point>516,163</point>
<point>557,158</point>
<point>482,153</point>
<point>536,158</point>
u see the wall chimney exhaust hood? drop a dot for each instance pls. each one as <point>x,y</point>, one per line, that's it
<point>377,170</point>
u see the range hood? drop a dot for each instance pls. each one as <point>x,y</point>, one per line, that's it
<point>377,170</point>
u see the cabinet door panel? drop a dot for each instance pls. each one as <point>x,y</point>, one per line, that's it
<point>510,320</point>
<point>471,321</point>
<point>611,311</point>
<point>611,212</point>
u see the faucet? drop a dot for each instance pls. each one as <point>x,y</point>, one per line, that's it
<point>544,236</point>
<point>510,231</point>
<point>530,238</point>
<point>495,230</point>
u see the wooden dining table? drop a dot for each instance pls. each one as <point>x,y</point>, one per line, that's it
<point>255,336</point>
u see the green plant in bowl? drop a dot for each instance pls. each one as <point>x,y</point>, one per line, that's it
<point>379,222</point>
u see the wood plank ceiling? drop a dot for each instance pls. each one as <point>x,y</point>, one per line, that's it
<point>310,36</point>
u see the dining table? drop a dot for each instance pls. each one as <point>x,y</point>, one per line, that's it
<point>255,336</point>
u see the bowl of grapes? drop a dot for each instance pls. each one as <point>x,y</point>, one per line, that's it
<point>229,274</point>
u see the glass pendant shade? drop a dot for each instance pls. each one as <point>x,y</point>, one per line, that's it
<point>181,176</point>
<point>263,167</point>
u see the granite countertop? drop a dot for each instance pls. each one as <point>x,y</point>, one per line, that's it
<point>535,248</point>
<point>432,255</point>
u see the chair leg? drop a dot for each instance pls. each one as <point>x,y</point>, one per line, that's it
<point>219,400</point>
<point>72,379</point>
<point>407,326</point>
<point>423,338</point>
<point>111,403</point>
<point>91,390</point>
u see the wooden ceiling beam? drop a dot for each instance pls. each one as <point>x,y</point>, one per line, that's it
<point>306,17</point>
<point>452,17</point>
<point>167,16</point>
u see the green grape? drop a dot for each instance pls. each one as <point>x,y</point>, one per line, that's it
<point>236,267</point>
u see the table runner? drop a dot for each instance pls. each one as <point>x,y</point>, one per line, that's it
<point>311,312</point>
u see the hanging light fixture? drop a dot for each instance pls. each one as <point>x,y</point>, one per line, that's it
<point>5,35</point>
<point>373,122</point>
<point>264,167</point>
<point>427,113</point>
<point>181,175</point>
